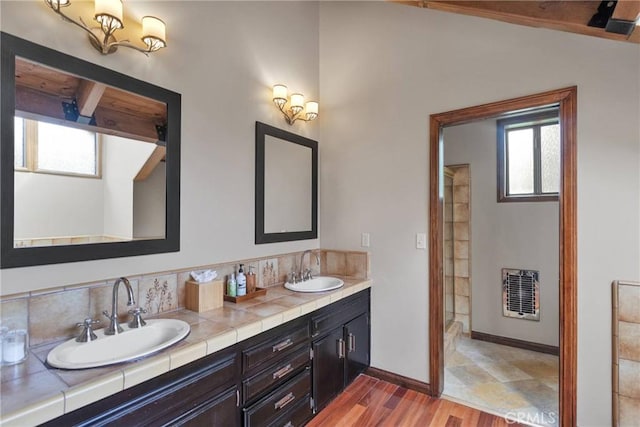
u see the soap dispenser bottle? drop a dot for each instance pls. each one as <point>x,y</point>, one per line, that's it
<point>241,280</point>
<point>251,280</point>
<point>231,285</point>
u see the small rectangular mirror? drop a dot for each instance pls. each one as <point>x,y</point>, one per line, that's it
<point>286,186</point>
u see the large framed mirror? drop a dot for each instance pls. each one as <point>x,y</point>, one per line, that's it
<point>286,186</point>
<point>89,160</point>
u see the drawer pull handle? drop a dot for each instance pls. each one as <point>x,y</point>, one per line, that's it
<point>352,343</point>
<point>282,372</point>
<point>289,424</point>
<point>284,401</point>
<point>284,344</point>
<point>340,345</point>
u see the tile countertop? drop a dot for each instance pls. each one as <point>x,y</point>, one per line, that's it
<point>33,393</point>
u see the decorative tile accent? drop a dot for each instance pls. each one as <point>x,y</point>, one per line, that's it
<point>460,212</point>
<point>461,230</point>
<point>14,313</point>
<point>28,390</point>
<point>80,396</point>
<point>462,304</point>
<point>461,193</point>
<point>141,372</point>
<point>286,264</point>
<point>357,265</point>
<point>53,317</point>
<point>36,413</point>
<point>334,263</point>
<point>188,354</point>
<point>629,303</point>
<point>461,267</point>
<point>221,341</point>
<point>463,286</point>
<point>626,353</point>
<point>461,249</point>
<point>158,294</point>
<point>268,272</point>
<point>629,378</point>
<point>629,412</point>
<point>629,341</point>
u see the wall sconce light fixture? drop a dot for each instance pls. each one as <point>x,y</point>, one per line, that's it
<point>296,105</point>
<point>108,14</point>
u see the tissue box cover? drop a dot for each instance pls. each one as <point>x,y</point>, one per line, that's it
<point>204,296</point>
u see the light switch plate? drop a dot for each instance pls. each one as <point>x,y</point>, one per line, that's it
<point>421,241</point>
<point>365,240</point>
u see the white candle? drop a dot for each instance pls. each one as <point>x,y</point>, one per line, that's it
<point>14,347</point>
<point>12,352</point>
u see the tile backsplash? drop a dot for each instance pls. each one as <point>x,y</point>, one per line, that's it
<point>51,315</point>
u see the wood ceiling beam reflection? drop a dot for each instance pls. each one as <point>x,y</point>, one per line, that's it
<point>35,105</point>
<point>568,16</point>
<point>88,96</point>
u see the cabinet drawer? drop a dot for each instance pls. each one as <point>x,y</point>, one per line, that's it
<point>274,348</point>
<point>328,320</point>
<point>278,402</point>
<point>276,373</point>
<point>298,415</point>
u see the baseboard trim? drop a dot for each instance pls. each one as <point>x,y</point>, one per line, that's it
<point>512,342</point>
<point>400,380</point>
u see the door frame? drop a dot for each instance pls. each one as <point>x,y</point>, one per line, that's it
<point>566,98</point>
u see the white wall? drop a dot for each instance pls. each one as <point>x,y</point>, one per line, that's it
<point>56,206</point>
<point>122,159</point>
<point>384,68</point>
<point>505,235</point>
<point>223,57</point>
<point>149,201</point>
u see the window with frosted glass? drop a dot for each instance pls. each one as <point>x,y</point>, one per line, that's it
<point>529,157</point>
<point>67,150</point>
<point>50,148</point>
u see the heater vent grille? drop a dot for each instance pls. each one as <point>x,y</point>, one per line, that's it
<point>521,294</point>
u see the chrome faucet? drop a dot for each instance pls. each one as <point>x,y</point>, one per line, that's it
<point>114,328</point>
<point>306,274</point>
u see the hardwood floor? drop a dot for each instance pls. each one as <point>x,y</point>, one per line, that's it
<point>372,402</point>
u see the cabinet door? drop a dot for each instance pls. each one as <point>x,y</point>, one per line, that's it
<point>357,344</point>
<point>328,368</point>
<point>219,411</point>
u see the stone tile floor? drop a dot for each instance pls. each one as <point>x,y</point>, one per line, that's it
<point>516,383</point>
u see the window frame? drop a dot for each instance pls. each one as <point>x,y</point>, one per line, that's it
<point>533,121</point>
<point>30,154</point>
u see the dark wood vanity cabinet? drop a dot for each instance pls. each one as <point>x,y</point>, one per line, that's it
<point>341,353</point>
<point>202,393</point>
<point>280,377</point>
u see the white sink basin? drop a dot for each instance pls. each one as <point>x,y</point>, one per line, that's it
<point>128,345</point>
<point>317,284</point>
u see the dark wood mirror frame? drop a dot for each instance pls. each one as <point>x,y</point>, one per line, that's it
<point>12,47</point>
<point>261,237</point>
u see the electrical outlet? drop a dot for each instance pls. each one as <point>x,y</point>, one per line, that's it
<point>421,241</point>
<point>365,240</point>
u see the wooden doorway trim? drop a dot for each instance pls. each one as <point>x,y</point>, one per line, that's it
<point>567,100</point>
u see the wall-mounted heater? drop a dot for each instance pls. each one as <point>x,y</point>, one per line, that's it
<point>521,294</point>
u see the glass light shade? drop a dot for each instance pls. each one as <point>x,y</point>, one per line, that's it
<point>279,92</point>
<point>105,9</point>
<point>55,4</point>
<point>311,110</point>
<point>297,102</point>
<point>154,33</point>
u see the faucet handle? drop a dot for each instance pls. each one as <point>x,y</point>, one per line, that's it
<point>137,321</point>
<point>87,333</point>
